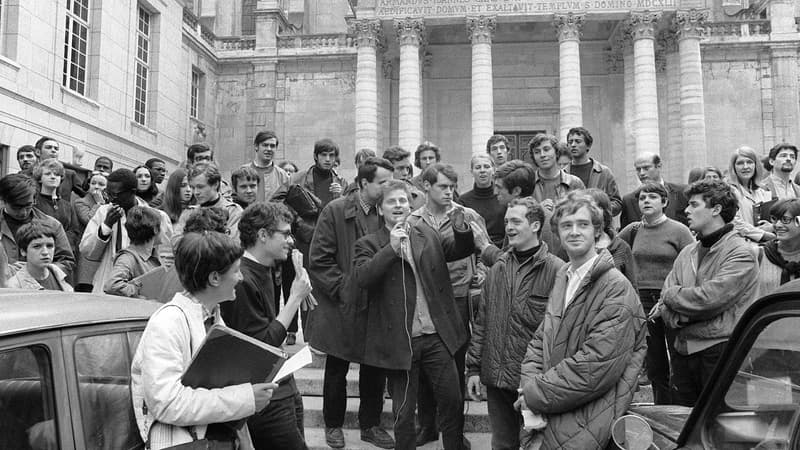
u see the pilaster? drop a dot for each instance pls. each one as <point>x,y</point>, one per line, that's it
<point>480,31</point>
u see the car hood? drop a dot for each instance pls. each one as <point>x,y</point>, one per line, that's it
<point>666,421</point>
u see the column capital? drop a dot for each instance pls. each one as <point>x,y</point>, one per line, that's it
<point>367,32</point>
<point>690,24</point>
<point>410,31</point>
<point>643,24</point>
<point>569,26</point>
<point>667,41</point>
<point>480,29</point>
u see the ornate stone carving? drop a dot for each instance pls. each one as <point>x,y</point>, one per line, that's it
<point>691,23</point>
<point>480,30</point>
<point>661,60</point>
<point>614,59</point>
<point>367,32</point>
<point>643,24</point>
<point>427,62</point>
<point>387,66</point>
<point>569,26</point>
<point>410,31</point>
<point>666,41</point>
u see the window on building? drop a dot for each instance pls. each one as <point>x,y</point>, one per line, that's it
<point>142,66</point>
<point>248,17</point>
<point>76,35</point>
<point>195,94</point>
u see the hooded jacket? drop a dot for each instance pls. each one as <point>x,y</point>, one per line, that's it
<point>582,365</point>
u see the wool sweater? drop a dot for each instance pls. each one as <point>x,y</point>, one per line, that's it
<point>484,201</point>
<point>655,248</point>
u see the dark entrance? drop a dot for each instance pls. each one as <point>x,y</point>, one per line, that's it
<point>518,143</point>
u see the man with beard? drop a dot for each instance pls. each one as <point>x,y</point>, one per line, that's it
<point>265,230</point>
<point>648,169</point>
<point>782,158</point>
<point>26,158</point>
<point>271,176</point>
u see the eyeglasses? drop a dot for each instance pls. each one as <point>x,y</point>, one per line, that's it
<point>287,234</point>
<point>786,220</point>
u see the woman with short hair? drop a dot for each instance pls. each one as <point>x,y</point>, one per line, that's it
<point>780,261</point>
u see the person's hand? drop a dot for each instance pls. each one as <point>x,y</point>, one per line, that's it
<point>114,214</point>
<point>655,312</point>
<point>301,288</point>
<point>457,218</point>
<point>766,226</point>
<point>548,205</point>
<point>478,279</point>
<point>297,260</point>
<point>520,404</point>
<point>335,189</point>
<point>474,388</point>
<point>98,197</point>
<point>396,237</point>
<point>309,303</point>
<point>263,394</point>
<point>479,236</point>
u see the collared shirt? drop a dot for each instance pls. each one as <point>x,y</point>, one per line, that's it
<point>364,206</point>
<point>783,189</point>
<point>574,277</point>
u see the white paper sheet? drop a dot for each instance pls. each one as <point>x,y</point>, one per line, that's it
<point>293,364</point>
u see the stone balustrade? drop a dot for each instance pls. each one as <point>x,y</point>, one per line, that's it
<point>738,29</point>
<point>236,43</point>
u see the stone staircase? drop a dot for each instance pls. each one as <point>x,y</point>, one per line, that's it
<point>309,382</point>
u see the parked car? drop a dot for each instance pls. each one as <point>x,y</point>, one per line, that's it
<point>754,402</point>
<point>65,363</point>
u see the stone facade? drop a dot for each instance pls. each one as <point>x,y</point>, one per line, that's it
<point>685,78</point>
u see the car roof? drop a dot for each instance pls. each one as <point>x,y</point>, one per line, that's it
<point>23,311</point>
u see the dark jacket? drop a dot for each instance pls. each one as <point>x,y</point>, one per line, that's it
<point>602,178</point>
<point>335,327</point>
<point>582,364</point>
<point>379,270</point>
<point>675,209</point>
<point>516,293</point>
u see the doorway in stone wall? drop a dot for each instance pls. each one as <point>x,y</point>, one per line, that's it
<point>518,143</point>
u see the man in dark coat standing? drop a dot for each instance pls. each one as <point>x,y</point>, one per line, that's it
<point>413,323</point>
<point>648,168</point>
<point>335,327</point>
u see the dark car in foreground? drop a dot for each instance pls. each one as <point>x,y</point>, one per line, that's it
<point>754,401</point>
<point>65,363</point>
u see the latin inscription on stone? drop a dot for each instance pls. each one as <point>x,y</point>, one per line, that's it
<point>461,8</point>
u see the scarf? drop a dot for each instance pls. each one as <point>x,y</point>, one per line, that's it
<point>788,269</point>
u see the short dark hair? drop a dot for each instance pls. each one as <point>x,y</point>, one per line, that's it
<point>207,219</point>
<point>152,162</point>
<point>124,176</point>
<point>394,185</point>
<point>260,215</point>
<point>395,153</point>
<point>34,229</point>
<point>16,187</point>
<point>535,211</point>
<point>494,140</point>
<point>368,170</point>
<point>787,205</point>
<point>773,152</point>
<point>26,149</point>
<point>198,255</point>
<point>362,155</point>
<point>208,169</point>
<point>106,158</point>
<point>198,147</point>
<point>716,193</point>
<point>517,174</point>
<point>52,165</point>
<point>587,137</point>
<point>244,173</point>
<point>541,137</point>
<point>562,149</point>
<point>431,173</point>
<point>713,169</point>
<point>142,224</point>
<point>325,145</point>
<point>651,187</point>
<point>42,140</point>
<point>573,202</point>
<point>424,147</point>
<point>601,199</point>
<point>262,136</point>
<point>284,164</point>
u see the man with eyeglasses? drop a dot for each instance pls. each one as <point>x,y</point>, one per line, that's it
<point>17,192</point>
<point>711,283</point>
<point>265,230</point>
<point>272,177</point>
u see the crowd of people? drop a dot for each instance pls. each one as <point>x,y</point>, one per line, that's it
<point>542,290</point>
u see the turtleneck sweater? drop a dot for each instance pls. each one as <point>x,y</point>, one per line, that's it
<point>484,202</point>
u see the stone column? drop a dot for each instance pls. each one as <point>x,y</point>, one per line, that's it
<point>690,29</point>
<point>480,31</point>
<point>367,33</point>
<point>628,97</point>
<point>674,157</point>
<point>784,91</point>
<point>410,34</point>
<point>644,79</point>
<point>569,71</point>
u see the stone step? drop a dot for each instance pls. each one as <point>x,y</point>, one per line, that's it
<point>315,438</point>
<point>476,419</point>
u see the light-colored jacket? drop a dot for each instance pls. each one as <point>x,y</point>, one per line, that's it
<point>171,337</point>
<point>744,223</point>
<point>234,215</point>
<point>23,280</point>
<point>104,251</point>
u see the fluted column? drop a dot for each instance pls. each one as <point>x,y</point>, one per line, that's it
<point>690,28</point>
<point>569,71</point>
<point>410,35</point>
<point>644,81</point>
<point>628,96</point>
<point>480,31</point>
<point>367,37</point>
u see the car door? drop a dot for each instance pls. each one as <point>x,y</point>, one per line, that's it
<point>98,361</point>
<point>755,400</point>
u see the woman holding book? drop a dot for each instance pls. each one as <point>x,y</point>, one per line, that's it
<point>746,171</point>
<point>167,412</point>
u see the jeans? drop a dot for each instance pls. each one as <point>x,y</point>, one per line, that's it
<point>429,355</point>
<point>690,373</point>
<point>505,420</point>
<point>426,406</point>
<point>280,425</point>
<point>657,359</point>
<point>371,384</point>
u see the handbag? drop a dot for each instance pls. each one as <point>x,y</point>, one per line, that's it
<point>303,201</point>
